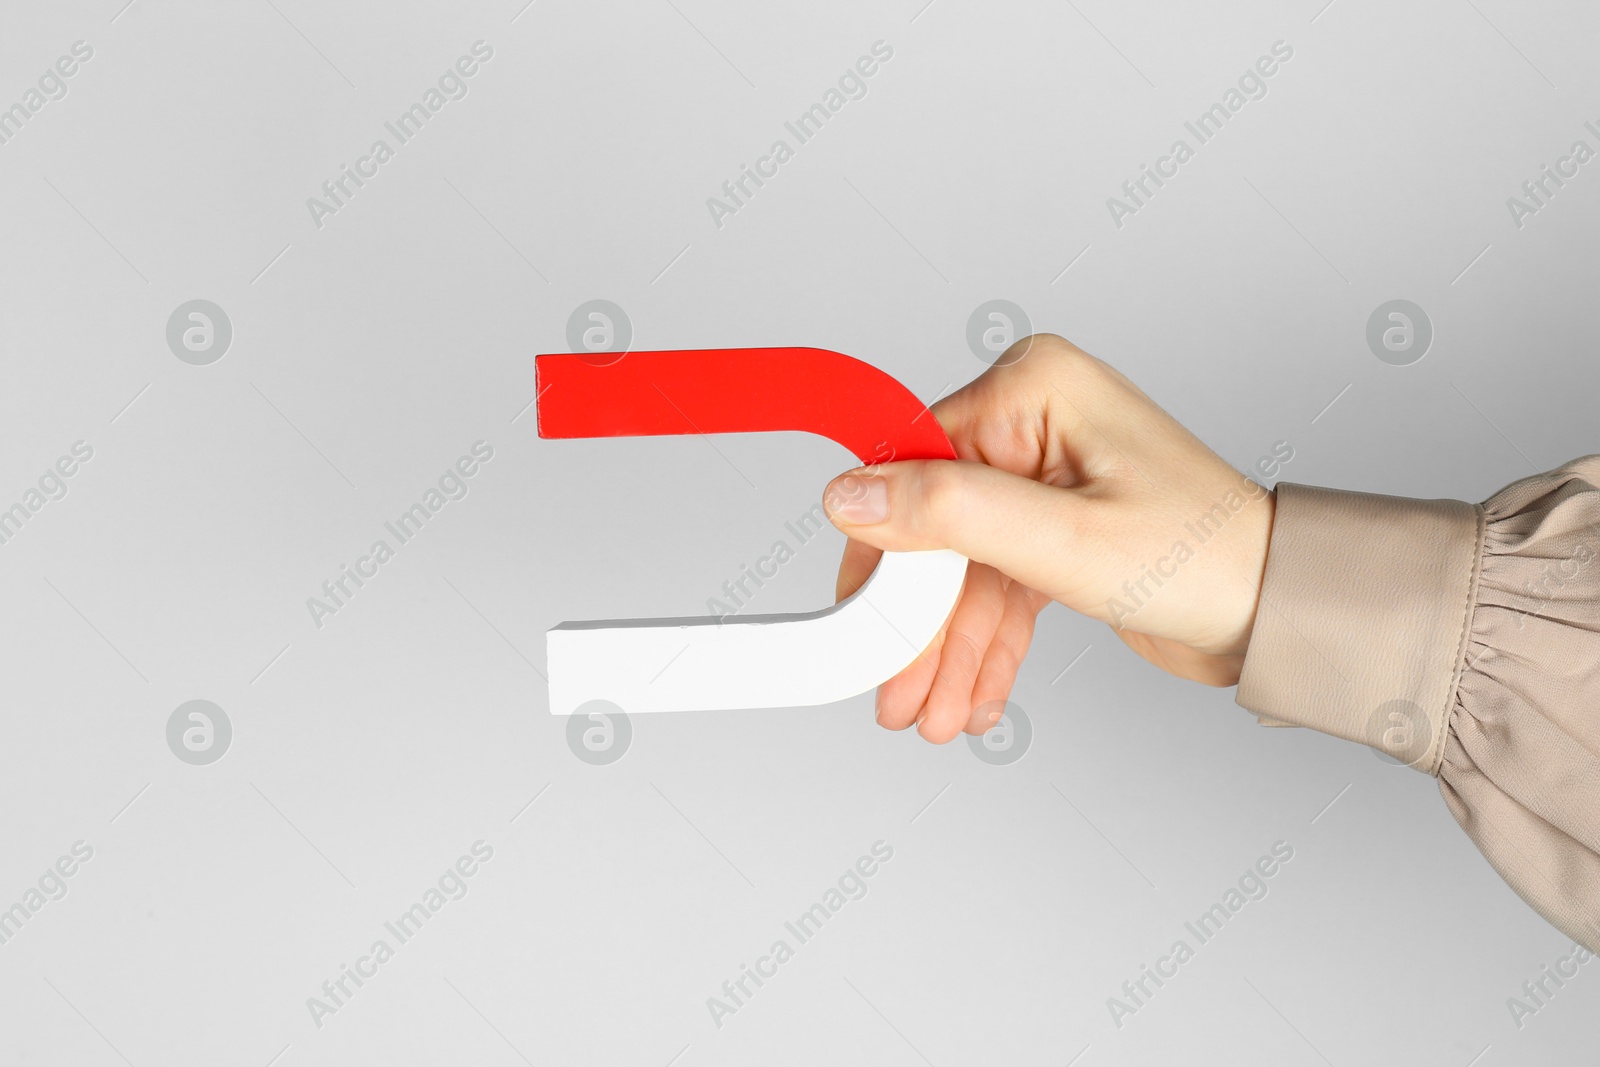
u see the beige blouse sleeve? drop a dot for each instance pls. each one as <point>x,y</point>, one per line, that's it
<point>1465,641</point>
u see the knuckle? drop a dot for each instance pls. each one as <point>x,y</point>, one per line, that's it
<point>1060,354</point>
<point>1008,650</point>
<point>1056,362</point>
<point>961,655</point>
<point>1054,359</point>
<point>940,495</point>
<point>1050,345</point>
<point>1050,352</point>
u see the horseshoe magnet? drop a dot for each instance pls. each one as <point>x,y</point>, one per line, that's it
<point>758,661</point>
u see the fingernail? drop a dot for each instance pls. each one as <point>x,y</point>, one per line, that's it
<point>867,505</point>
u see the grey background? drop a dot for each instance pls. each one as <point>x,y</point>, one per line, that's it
<point>370,353</point>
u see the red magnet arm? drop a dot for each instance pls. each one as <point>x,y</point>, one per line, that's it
<point>737,390</point>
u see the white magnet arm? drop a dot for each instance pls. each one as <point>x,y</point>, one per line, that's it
<point>770,661</point>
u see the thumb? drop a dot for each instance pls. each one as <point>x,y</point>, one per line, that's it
<point>1024,528</point>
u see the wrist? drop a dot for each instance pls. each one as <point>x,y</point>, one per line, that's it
<point>1249,575</point>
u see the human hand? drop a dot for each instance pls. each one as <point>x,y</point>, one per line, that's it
<point>1073,486</point>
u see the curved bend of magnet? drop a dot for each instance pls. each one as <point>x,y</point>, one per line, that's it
<point>770,661</point>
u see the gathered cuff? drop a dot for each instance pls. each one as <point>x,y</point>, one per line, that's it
<point>1464,641</point>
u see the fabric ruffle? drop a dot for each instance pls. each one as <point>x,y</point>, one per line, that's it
<point>1521,762</point>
